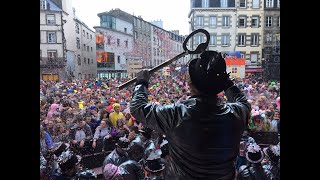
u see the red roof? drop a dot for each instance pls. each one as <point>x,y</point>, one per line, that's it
<point>235,61</point>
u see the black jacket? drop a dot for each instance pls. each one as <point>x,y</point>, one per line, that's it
<point>203,136</point>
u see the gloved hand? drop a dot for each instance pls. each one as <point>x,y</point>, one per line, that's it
<point>228,82</point>
<point>143,78</point>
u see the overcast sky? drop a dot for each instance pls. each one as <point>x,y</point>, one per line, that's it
<point>173,13</point>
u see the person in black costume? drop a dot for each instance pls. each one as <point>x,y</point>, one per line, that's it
<point>272,167</point>
<point>119,154</point>
<point>69,166</point>
<point>203,135</point>
<point>253,170</point>
<point>153,164</point>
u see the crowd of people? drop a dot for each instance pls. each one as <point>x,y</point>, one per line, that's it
<point>79,116</point>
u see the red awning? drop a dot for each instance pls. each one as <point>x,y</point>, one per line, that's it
<point>250,70</point>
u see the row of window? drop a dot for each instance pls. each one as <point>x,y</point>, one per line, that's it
<point>213,3</point>
<point>143,25</point>
<point>199,21</point>
<point>86,76</point>
<point>255,4</point>
<point>84,33</point>
<point>225,39</point>
<point>154,63</point>
<point>159,52</point>
<point>112,75</point>
<point>254,40</point>
<point>51,54</point>
<point>126,42</point>
<point>85,48</point>
<point>85,60</point>
<point>242,21</point>
<point>270,3</point>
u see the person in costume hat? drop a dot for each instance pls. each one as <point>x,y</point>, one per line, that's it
<point>272,167</point>
<point>153,164</point>
<point>119,154</point>
<point>246,139</point>
<point>55,152</point>
<point>146,134</point>
<point>69,166</point>
<point>204,135</point>
<point>129,170</point>
<point>253,170</point>
<point>112,172</point>
<point>43,167</point>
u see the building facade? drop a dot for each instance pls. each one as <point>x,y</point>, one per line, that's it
<point>250,27</point>
<point>114,40</point>
<point>219,18</point>
<point>68,39</point>
<point>165,45</point>
<point>80,44</point>
<point>85,51</point>
<point>142,49</point>
<point>52,42</point>
<point>249,37</point>
<point>127,43</point>
<point>271,45</point>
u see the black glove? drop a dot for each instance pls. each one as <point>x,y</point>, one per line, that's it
<point>228,82</point>
<point>143,78</point>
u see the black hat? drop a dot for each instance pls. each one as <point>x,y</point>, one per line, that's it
<point>123,143</point>
<point>150,147</point>
<point>58,148</point>
<point>273,153</point>
<point>146,132</point>
<point>67,160</point>
<point>164,148</point>
<point>208,73</point>
<point>136,151</point>
<point>254,153</point>
<point>154,162</point>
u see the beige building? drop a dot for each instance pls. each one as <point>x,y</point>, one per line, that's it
<point>218,17</point>
<point>52,46</point>
<point>115,43</point>
<point>249,32</point>
<point>133,67</point>
<point>86,63</point>
<point>80,44</point>
<point>127,43</point>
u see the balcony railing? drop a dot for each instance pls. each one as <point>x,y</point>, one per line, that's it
<point>107,65</point>
<point>52,62</point>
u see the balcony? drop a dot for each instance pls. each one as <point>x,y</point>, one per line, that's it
<point>52,62</point>
<point>107,65</point>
